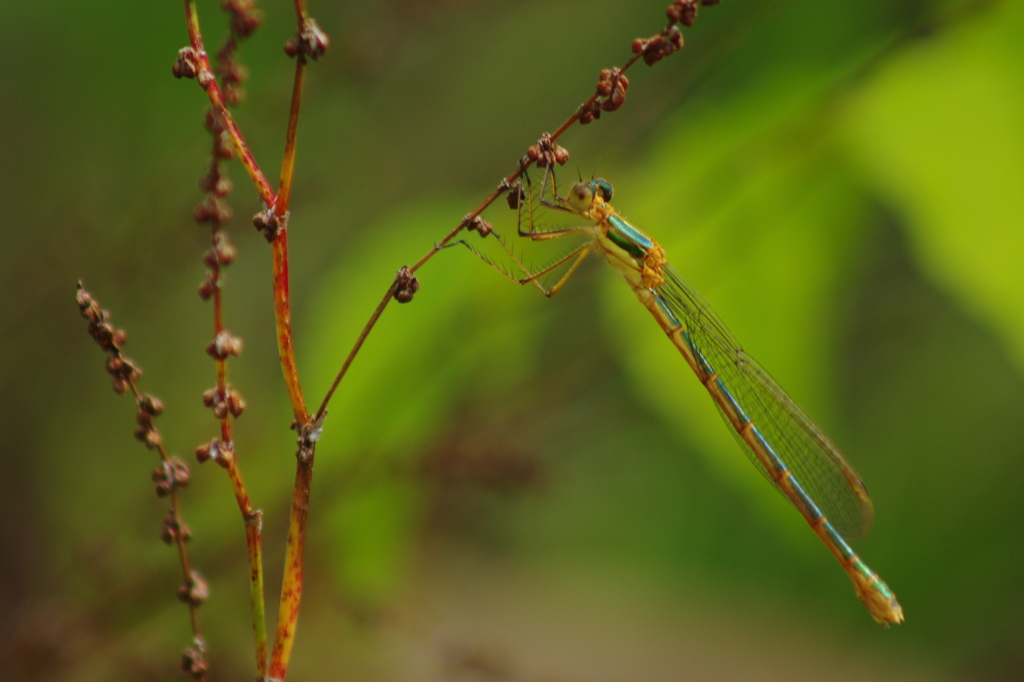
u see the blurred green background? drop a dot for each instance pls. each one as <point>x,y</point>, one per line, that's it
<point>510,487</point>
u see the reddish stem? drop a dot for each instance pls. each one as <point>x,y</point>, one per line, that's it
<point>254,549</point>
<point>282,297</point>
<point>213,92</point>
<point>282,315</point>
<point>284,190</point>
<point>291,587</point>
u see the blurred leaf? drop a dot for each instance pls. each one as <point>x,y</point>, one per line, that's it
<point>939,134</point>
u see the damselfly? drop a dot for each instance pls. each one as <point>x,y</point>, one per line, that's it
<point>778,437</point>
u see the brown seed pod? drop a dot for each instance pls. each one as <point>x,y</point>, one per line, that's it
<point>223,345</point>
<point>408,285</point>
<point>207,287</point>
<point>236,403</point>
<point>203,452</point>
<point>212,210</point>
<point>516,195</point>
<point>151,405</point>
<point>561,155</point>
<point>212,122</point>
<point>223,147</point>
<point>194,590</point>
<point>187,65</point>
<point>478,225</point>
<point>210,396</point>
<point>179,471</point>
<point>193,662</point>
<point>223,248</point>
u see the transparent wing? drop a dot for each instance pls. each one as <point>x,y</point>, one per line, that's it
<point>815,461</point>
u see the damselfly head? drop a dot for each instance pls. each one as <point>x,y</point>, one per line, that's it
<point>582,194</point>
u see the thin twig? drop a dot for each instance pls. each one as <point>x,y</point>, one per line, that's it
<point>355,348</point>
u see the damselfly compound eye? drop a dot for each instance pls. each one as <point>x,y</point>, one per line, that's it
<point>604,188</point>
<point>581,196</point>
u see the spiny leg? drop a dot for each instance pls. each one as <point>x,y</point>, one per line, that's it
<point>576,256</point>
<point>559,202</point>
<point>543,235</point>
<point>582,251</point>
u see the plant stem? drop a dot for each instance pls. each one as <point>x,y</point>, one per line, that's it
<point>217,100</point>
<point>284,190</point>
<point>291,586</point>
<point>283,322</point>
